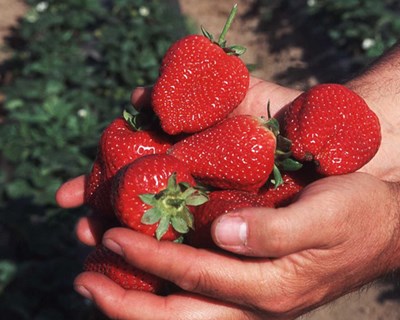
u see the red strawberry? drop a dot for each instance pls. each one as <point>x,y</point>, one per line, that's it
<point>154,195</point>
<point>220,202</point>
<point>121,142</point>
<point>333,127</point>
<point>201,81</point>
<point>124,141</point>
<point>237,153</point>
<point>293,183</point>
<point>113,266</point>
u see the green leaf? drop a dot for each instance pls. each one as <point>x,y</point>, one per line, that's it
<point>236,50</point>
<point>162,227</point>
<point>207,34</point>
<point>196,199</point>
<point>149,199</point>
<point>277,180</point>
<point>151,216</point>
<point>8,271</point>
<point>189,219</point>
<point>179,224</point>
<point>172,186</point>
<point>290,164</point>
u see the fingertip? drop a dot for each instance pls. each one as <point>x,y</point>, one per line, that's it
<point>230,232</point>
<point>96,286</point>
<point>71,193</point>
<point>141,97</point>
<point>90,230</point>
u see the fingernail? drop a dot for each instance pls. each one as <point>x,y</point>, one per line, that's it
<point>113,246</point>
<point>84,292</point>
<point>231,231</point>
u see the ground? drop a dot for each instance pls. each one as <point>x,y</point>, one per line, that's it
<point>380,301</point>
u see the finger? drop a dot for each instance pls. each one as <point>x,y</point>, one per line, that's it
<point>141,97</point>
<point>207,273</point>
<point>267,232</point>
<point>71,193</point>
<point>260,93</point>
<point>90,230</point>
<point>118,303</point>
<point>317,219</point>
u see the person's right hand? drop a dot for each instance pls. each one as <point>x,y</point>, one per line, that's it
<point>341,233</point>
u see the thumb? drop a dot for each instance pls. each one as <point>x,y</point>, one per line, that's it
<point>268,232</point>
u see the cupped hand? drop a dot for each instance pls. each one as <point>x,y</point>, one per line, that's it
<point>341,233</point>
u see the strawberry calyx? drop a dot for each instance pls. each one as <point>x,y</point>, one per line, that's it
<point>283,155</point>
<point>170,206</point>
<point>139,120</point>
<point>231,50</point>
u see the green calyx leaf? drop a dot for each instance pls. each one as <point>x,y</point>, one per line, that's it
<point>277,179</point>
<point>290,164</point>
<point>283,153</point>
<point>208,35</point>
<point>170,207</point>
<point>139,120</point>
<point>231,50</point>
<point>151,216</point>
<point>235,50</point>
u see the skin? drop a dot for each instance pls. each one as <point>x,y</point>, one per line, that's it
<point>340,234</point>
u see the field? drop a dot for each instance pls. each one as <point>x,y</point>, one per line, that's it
<point>285,59</point>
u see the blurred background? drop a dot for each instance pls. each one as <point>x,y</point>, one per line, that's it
<point>67,69</point>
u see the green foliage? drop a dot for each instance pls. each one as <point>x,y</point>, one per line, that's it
<point>363,29</point>
<point>73,66</point>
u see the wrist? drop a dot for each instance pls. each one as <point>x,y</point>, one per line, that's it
<point>378,86</point>
<point>394,220</point>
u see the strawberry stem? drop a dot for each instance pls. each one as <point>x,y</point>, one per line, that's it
<point>221,39</point>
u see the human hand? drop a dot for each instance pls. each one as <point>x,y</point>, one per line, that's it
<point>88,231</point>
<point>341,233</point>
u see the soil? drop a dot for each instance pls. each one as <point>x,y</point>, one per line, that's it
<point>288,65</point>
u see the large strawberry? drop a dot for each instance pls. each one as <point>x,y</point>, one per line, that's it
<point>332,126</point>
<point>237,153</point>
<point>220,202</point>
<point>124,140</point>
<point>154,195</point>
<point>113,266</point>
<point>201,81</point>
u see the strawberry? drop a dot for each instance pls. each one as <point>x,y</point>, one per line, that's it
<point>332,126</point>
<point>154,195</point>
<point>237,153</point>
<point>220,202</point>
<point>113,266</point>
<point>293,183</point>
<point>201,81</point>
<point>126,139</point>
<point>121,142</point>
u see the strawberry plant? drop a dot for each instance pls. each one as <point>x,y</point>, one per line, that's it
<point>71,69</point>
<point>345,34</point>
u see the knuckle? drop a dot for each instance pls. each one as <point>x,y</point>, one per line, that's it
<point>195,279</point>
<point>281,302</point>
<point>276,237</point>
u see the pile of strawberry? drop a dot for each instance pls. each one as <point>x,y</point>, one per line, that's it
<point>171,170</point>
